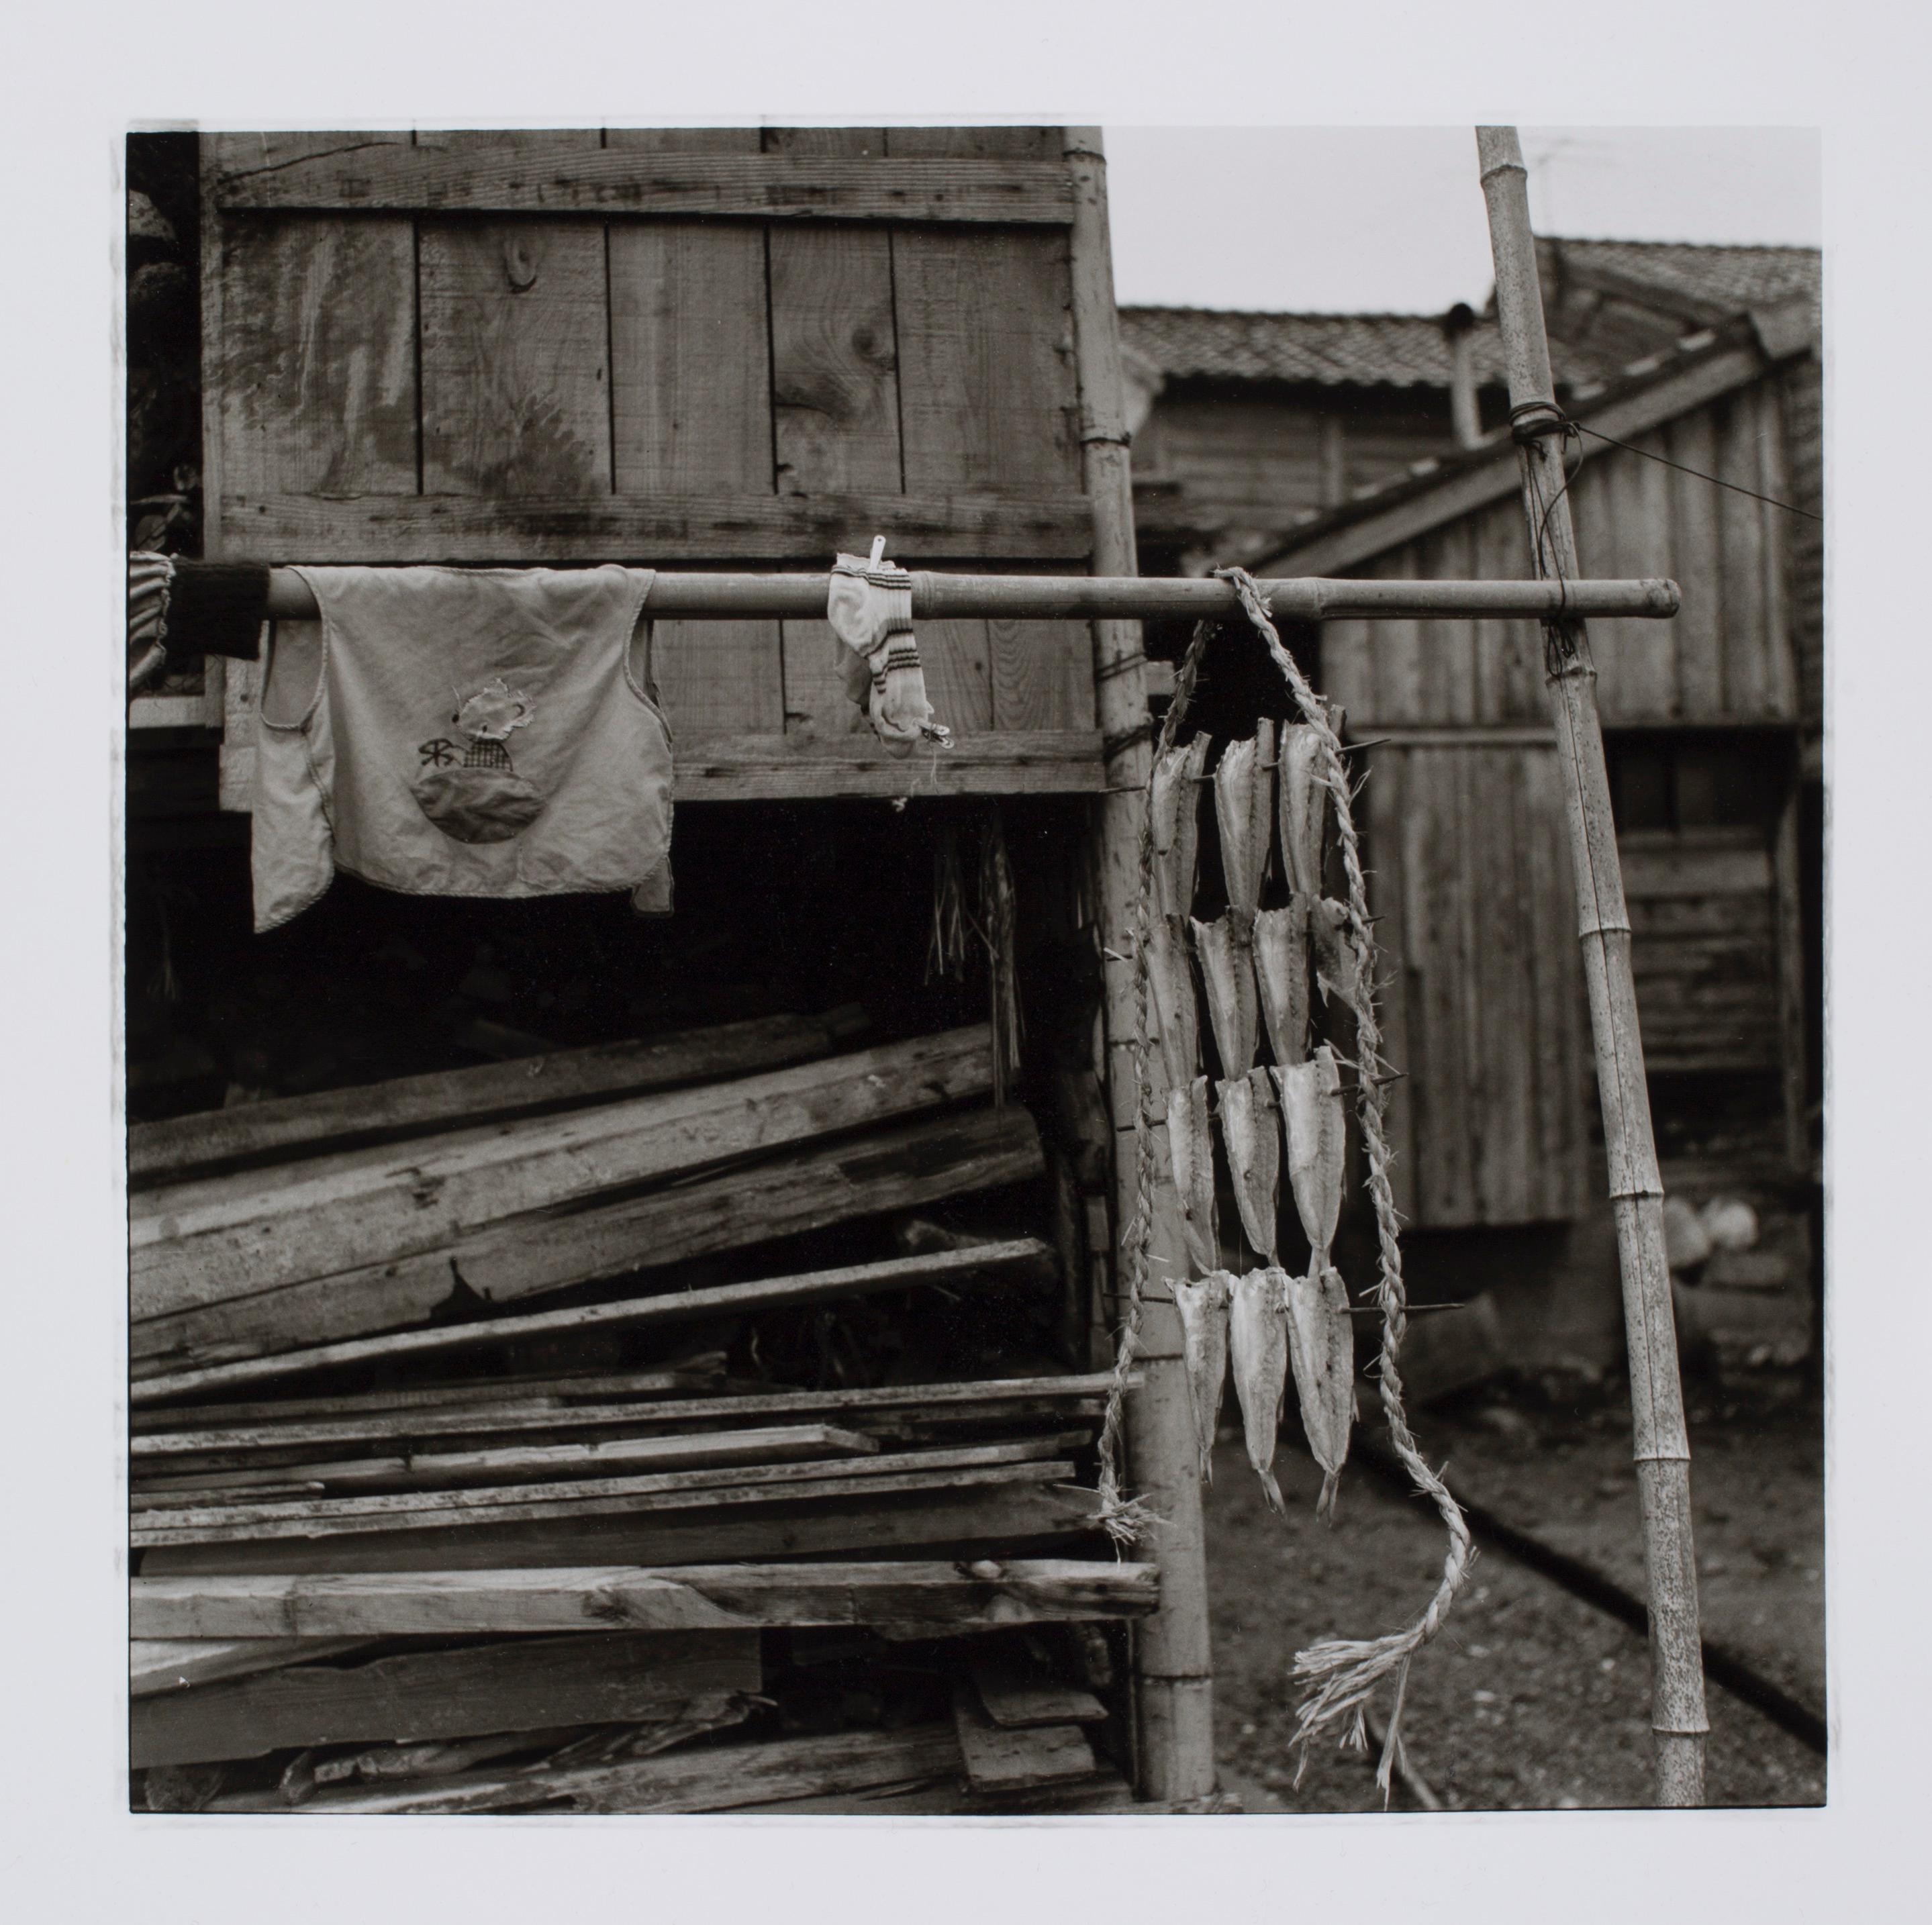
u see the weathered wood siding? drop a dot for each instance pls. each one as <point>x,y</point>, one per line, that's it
<point>1801,384</point>
<point>1485,1011</point>
<point>1249,457</point>
<point>1704,911</point>
<point>709,347</point>
<point>1730,656</point>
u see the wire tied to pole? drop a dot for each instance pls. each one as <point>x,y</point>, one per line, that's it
<point>1531,422</point>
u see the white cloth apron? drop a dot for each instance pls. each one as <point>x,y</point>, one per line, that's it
<point>485,732</point>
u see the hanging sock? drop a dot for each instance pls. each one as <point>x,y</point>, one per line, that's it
<point>869,607</point>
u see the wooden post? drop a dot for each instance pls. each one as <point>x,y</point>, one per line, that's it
<point>1172,1674</point>
<point>1659,1445</point>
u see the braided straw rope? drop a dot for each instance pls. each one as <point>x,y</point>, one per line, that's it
<point>1342,1673</point>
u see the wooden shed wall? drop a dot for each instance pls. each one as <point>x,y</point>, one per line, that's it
<point>1249,457</point>
<point>1729,657</point>
<point>1486,1011</point>
<point>709,347</point>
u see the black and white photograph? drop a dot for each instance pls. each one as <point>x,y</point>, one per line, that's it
<point>974,980</point>
<point>925,1290</point>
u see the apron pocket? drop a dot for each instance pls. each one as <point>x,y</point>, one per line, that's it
<point>478,804</point>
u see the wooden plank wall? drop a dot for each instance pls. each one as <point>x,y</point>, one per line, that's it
<point>397,371</point>
<point>1729,657</point>
<point>1486,1013</point>
<point>1704,912</point>
<point>1251,457</point>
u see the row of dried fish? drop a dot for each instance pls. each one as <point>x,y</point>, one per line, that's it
<point>1306,1099</point>
<point>1269,1318</point>
<point>1248,803</point>
<point>1256,963</point>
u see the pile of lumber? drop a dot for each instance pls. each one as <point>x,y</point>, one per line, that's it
<point>473,1468</point>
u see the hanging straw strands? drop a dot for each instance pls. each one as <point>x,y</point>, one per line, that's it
<point>1343,1673</point>
<point>996,928</point>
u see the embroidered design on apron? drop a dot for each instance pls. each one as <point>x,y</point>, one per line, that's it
<point>470,788</point>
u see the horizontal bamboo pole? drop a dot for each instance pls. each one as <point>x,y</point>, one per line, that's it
<point>1120,597</point>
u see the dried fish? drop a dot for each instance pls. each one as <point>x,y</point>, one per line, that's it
<point>1190,1150</point>
<point>1204,1330</point>
<point>1316,1129</point>
<point>1321,1347</point>
<point>1251,1133</point>
<point>1171,990</point>
<point>1336,970</point>
<point>1258,1332</point>
<point>1228,965</point>
<point>1243,800</point>
<point>1281,967</point>
<point>1177,823</point>
<point>1304,796</point>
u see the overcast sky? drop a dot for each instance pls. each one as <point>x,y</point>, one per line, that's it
<point>1392,218</point>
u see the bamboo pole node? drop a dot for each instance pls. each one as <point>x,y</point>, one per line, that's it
<point>1587,930</point>
<point>1126,1519</point>
<point>1637,1192</point>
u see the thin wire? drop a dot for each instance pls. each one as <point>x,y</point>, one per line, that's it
<point>1664,461</point>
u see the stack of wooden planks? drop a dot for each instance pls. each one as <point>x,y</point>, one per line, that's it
<point>405,1542</point>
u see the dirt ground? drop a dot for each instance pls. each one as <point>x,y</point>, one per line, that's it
<point>1531,1699</point>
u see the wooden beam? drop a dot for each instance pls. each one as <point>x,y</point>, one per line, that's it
<point>226,1512</point>
<point>174,1664</point>
<point>225,1237</point>
<point>960,1402</point>
<point>998,1511</point>
<point>389,177</point>
<point>523,1685</point>
<point>432,1470</point>
<point>654,529</point>
<point>1024,1256</point>
<point>950,1598</point>
<point>718,1777</point>
<point>999,1758</point>
<point>811,1187</point>
<point>165,1151</point>
<point>1017,1699</point>
<point>1020,761</point>
<point>548,1391</point>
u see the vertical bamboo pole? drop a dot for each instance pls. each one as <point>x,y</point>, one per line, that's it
<point>1660,1444</point>
<point>1173,1676</point>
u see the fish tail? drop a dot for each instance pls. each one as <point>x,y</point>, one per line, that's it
<point>1325,1505</point>
<point>1272,1492</point>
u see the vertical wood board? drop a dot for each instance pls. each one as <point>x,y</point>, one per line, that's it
<point>516,374</point>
